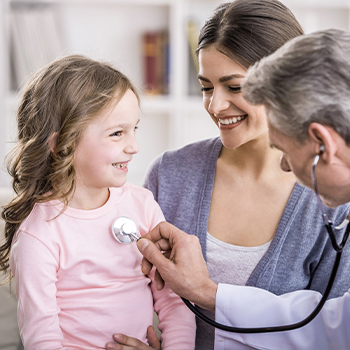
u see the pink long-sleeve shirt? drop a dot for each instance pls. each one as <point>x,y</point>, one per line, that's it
<point>76,285</point>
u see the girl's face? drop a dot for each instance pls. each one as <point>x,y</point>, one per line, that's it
<point>107,146</point>
<point>220,78</point>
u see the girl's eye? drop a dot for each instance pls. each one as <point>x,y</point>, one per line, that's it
<point>117,133</point>
<point>235,88</point>
<point>136,127</point>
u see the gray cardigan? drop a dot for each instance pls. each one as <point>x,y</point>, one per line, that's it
<point>300,255</point>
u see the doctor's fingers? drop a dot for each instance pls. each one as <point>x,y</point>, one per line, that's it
<point>165,235</point>
<point>147,266</point>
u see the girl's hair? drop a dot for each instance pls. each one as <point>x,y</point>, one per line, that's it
<point>58,103</point>
<point>248,30</point>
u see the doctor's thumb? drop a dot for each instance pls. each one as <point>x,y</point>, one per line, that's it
<point>149,250</point>
<point>142,244</point>
<point>152,256</point>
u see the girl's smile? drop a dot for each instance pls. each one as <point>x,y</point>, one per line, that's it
<point>107,146</point>
<point>122,166</point>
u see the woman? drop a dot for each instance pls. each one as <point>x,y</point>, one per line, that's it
<point>230,191</point>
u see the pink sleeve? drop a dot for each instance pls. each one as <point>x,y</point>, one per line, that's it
<point>35,270</point>
<point>176,322</point>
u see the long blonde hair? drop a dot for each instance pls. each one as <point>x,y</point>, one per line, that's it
<point>60,99</point>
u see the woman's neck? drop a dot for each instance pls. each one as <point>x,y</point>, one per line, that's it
<point>254,159</point>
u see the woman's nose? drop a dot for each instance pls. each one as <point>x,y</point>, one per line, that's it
<point>218,102</point>
<point>284,164</point>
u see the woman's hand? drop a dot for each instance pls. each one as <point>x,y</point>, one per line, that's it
<point>124,342</point>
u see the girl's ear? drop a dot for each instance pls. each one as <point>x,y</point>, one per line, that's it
<point>52,141</point>
<point>325,144</point>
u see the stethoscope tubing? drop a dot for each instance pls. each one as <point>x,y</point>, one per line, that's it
<point>293,326</point>
<point>290,327</point>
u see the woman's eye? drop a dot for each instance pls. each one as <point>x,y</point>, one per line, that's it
<point>235,88</point>
<point>206,89</point>
<point>136,127</point>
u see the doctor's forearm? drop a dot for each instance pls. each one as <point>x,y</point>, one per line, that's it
<point>205,297</point>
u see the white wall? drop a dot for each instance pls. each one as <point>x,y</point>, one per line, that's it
<point>110,30</point>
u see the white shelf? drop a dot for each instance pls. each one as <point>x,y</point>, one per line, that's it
<point>316,4</point>
<point>111,30</point>
<point>99,2</point>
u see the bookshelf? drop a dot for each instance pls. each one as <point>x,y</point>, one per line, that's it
<point>112,30</point>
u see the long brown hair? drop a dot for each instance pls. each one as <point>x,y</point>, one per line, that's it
<point>60,100</point>
<point>248,30</point>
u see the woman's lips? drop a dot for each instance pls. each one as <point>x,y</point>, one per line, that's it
<point>230,122</point>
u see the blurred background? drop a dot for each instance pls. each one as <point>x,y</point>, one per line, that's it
<point>151,41</point>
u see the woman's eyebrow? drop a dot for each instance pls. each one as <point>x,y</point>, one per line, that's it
<point>222,79</point>
<point>200,77</point>
<point>230,77</point>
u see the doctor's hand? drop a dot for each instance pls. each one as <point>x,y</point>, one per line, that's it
<point>124,342</point>
<point>179,261</point>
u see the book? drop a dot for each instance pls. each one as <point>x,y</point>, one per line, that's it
<point>156,62</point>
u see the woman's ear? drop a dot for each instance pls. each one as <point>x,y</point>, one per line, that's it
<point>52,141</point>
<point>324,141</point>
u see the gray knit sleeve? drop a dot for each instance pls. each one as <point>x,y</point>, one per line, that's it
<point>151,178</point>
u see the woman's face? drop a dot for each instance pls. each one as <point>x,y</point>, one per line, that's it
<point>238,121</point>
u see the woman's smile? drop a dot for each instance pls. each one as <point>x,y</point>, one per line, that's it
<point>230,122</point>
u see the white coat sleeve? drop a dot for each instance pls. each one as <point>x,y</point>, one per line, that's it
<point>242,306</point>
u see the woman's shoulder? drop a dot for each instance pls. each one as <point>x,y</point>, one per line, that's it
<point>194,155</point>
<point>195,149</point>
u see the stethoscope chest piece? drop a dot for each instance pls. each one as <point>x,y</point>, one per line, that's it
<point>125,230</point>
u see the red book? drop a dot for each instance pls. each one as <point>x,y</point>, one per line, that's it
<point>150,62</point>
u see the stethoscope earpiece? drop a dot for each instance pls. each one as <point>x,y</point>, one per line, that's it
<point>125,230</point>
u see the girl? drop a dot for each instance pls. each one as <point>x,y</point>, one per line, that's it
<point>75,283</point>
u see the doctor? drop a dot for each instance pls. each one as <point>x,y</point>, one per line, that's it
<point>305,87</point>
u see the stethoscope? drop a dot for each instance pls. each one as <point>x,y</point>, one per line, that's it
<point>125,231</point>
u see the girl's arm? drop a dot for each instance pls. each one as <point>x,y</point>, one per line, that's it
<point>176,322</point>
<point>35,272</point>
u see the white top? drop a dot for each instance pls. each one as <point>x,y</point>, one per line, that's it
<point>253,307</point>
<point>232,264</point>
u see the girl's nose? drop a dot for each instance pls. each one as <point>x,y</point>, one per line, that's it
<point>132,147</point>
<point>284,164</point>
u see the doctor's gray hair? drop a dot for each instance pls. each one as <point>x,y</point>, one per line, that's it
<point>307,80</point>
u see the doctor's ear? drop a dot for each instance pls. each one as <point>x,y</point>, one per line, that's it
<point>52,141</point>
<point>324,141</point>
